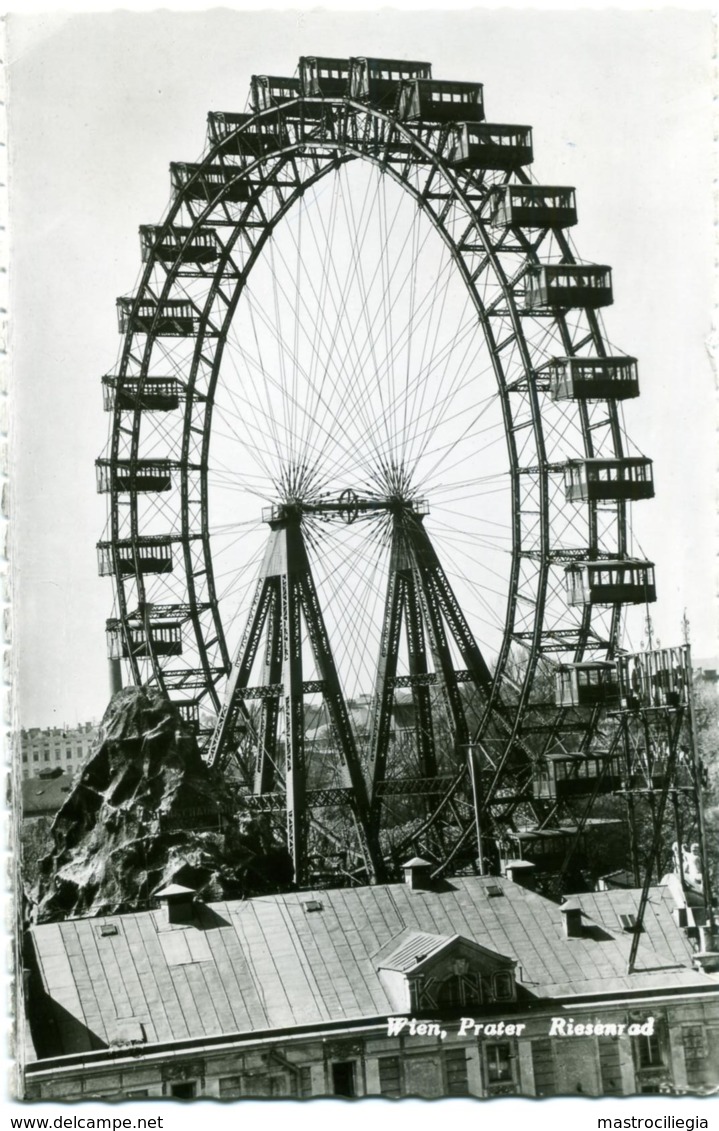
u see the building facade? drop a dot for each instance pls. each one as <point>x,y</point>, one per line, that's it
<point>474,987</point>
<point>43,748</point>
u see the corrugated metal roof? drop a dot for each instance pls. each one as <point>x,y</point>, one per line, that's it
<point>413,949</point>
<point>264,963</point>
<point>45,795</point>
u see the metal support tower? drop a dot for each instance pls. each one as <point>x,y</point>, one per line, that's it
<point>662,770</point>
<point>286,596</point>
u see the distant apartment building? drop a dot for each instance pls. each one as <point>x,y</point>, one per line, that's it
<point>68,748</point>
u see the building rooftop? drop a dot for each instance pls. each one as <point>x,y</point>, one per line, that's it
<point>263,964</point>
<point>46,793</point>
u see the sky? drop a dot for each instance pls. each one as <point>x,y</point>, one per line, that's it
<point>99,104</point>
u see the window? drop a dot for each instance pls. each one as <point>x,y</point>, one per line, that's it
<point>343,1078</point>
<point>694,1038</point>
<point>187,1090</point>
<point>305,1082</point>
<point>389,1076</point>
<point>503,985</point>
<point>648,1051</point>
<point>499,1062</point>
<point>455,1062</point>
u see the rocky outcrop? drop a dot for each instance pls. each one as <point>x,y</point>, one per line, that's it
<point>146,812</point>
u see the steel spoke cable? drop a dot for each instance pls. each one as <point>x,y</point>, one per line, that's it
<point>442,468</point>
<point>478,484</point>
<point>437,412</point>
<point>447,531</point>
<point>258,415</point>
<point>325,293</point>
<point>417,412</point>
<point>339,325</point>
<point>249,446</point>
<point>283,395</point>
<point>298,295</point>
<point>358,234</point>
<point>381,279</point>
<point>414,257</point>
<point>408,330</point>
<point>303,408</point>
<point>425,376</point>
<point>345,652</point>
<point>364,316</point>
<point>286,351</point>
<point>355,603</point>
<point>417,409</point>
<point>344,291</point>
<point>263,369</point>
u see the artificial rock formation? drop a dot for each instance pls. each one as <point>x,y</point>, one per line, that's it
<point>147,812</point>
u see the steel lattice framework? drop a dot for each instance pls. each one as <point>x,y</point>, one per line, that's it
<point>539,365</point>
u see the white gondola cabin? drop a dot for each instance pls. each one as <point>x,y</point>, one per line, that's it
<point>561,776</point>
<point>533,206</point>
<point>650,773</point>
<point>591,378</point>
<point>190,712</point>
<point>545,848</point>
<point>272,90</point>
<point>657,678</point>
<point>143,475</point>
<point>198,246</point>
<point>146,554</point>
<point>426,100</point>
<point>566,286</point>
<point>605,480</point>
<point>205,182</point>
<point>171,318</point>
<point>322,77</point>
<point>234,133</point>
<point>160,638</point>
<point>625,581</point>
<point>481,145</point>
<point>377,80</point>
<point>154,394</point>
<point>586,684</point>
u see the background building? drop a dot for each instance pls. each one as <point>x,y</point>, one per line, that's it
<point>44,748</point>
<point>291,995</point>
<point>43,795</point>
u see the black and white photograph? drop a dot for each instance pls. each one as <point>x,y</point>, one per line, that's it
<point>364,704</point>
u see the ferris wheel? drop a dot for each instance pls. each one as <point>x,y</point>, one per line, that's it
<point>367,476</point>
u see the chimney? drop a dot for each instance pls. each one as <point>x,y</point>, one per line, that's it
<point>115,673</point>
<point>572,913</point>
<point>416,873</point>
<point>177,902</point>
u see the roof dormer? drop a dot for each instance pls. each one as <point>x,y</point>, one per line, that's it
<point>428,972</point>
